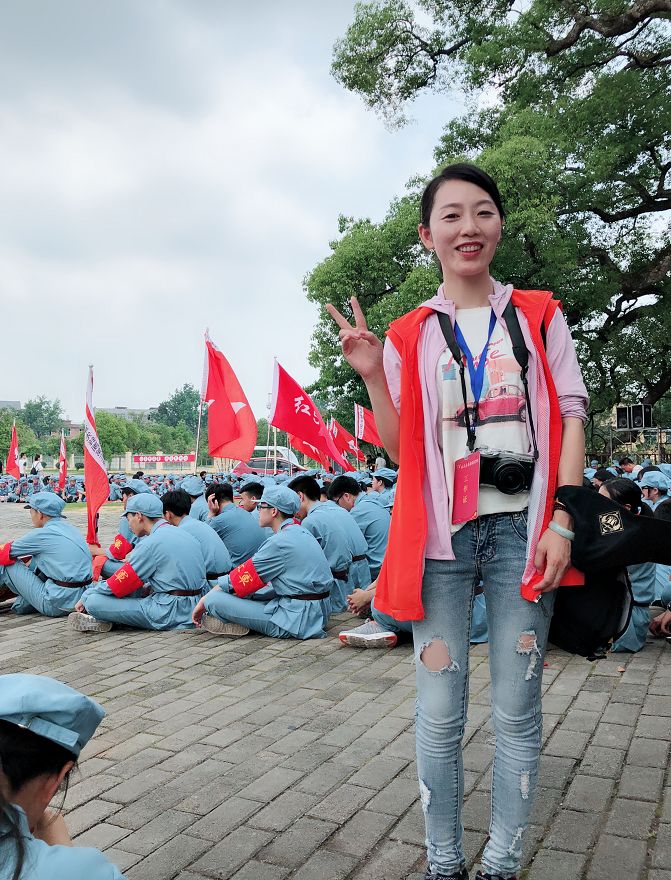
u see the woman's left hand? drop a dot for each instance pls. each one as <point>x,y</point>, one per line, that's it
<point>553,558</point>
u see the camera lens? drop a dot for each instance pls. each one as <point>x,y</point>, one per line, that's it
<point>509,476</point>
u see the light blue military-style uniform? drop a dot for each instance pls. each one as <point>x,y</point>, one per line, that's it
<point>332,538</point>
<point>215,553</point>
<point>295,564</point>
<point>139,487</point>
<point>59,553</point>
<point>166,560</point>
<point>359,571</point>
<point>50,709</point>
<point>239,531</point>
<point>195,487</point>
<point>643,584</point>
<point>374,521</point>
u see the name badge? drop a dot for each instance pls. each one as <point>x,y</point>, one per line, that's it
<point>466,488</point>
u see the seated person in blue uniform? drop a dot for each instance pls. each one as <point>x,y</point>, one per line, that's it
<point>383,481</point>
<point>71,491</point>
<point>236,527</point>
<point>60,564</point>
<point>330,534</point>
<point>105,564</point>
<point>176,506</point>
<point>295,564</point>
<point>44,725</point>
<point>167,561</point>
<point>369,514</point>
<point>195,488</point>
<point>654,486</point>
<point>250,495</point>
<point>4,490</point>
<point>642,577</point>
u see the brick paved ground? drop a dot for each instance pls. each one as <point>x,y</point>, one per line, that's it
<point>257,759</point>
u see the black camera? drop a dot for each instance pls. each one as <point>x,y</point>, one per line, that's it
<point>509,472</point>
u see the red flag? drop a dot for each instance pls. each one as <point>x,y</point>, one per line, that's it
<point>311,451</point>
<point>293,411</point>
<point>62,463</point>
<point>13,455</point>
<point>365,426</point>
<point>345,442</point>
<point>95,472</point>
<point>231,426</point>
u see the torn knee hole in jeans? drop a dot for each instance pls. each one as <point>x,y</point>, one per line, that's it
<point>515,847</point>
<point>527,644</point>
<point>435,657</point>
<point>424,795</point>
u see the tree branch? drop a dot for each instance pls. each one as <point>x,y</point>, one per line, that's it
<point>609,25</point>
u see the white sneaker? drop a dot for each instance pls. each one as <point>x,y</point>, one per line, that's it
<point>369,635</point>
<point>87,623</point>
<point>218,627</point>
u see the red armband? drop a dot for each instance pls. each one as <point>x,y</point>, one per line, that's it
<point>5,550</point>
<point>120,548</point>
<point>245,579</point>
<point>124,582</point>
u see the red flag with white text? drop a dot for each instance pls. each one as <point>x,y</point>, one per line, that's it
<point>365,427</point>
<point>345,442</point>
<point>13,455</point>
<point>95,471</point>
<point>311,451</point>
<point>293,411</point>
<point>231,426</point>
<point>63,463</point>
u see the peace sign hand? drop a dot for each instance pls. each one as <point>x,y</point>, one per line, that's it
<point>361,348</point>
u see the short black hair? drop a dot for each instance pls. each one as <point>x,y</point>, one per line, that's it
<point>177,501</point>
<point>385,482</point>
<point>626,460</point>
<point>220,492</point>
<point>626,491</point>
<point>253,489</point>
<point>604,475</point>
<point>341,485</point>
<point>459,171</point>
<point>307,485</point>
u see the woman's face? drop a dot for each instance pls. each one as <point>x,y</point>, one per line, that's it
<point>464,229</point>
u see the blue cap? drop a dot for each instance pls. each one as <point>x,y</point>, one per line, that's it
<point>589,472</point>
<point>47,503</point>
<point>50,709</point>
<point>386,473</point>
<point>362,478</point>
<point>149,505</point>
<point>137,486</point>
<point>281,497</point>
<point>193,486</point>
<point>654,480</point>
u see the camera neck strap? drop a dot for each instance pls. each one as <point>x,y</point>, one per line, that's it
<point>460,351</point>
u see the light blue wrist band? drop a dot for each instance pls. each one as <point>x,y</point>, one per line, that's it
<point>560,530</point>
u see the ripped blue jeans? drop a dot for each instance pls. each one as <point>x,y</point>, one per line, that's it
<point>493,548</point>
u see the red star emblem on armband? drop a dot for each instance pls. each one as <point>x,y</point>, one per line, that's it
<point>122,575</point>
<point>117,543</point>
<point>245,578</point>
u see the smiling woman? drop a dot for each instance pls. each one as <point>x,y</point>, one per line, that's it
<point>482,368</point>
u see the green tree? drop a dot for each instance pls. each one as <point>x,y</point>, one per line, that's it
<point>28,442</point>
<point>576,132</point>
<point>42,415</point>
<point>181,406</point>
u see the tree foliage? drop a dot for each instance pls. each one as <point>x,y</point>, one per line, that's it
<point>575,130</point>
<point>181,406</point>
<point>42,415</point>
<point>28,442</point>
<point>118,436</point>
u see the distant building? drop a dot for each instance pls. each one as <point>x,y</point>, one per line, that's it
<point>130,415</point>
<point>10,404</point>
<point>71,429</point>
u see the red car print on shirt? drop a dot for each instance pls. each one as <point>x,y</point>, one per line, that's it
<point>502,403</point>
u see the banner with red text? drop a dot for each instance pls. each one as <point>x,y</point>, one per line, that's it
<point>178,458</point>
<point>12,466</point>
<point>95,471</point>
<point>231,426</point>
<point>365,427</point>
<point>345,442</point>
<point>293,411</point>
<point>62,462</point>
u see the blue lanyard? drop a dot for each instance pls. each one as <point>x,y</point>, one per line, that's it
<point>477,374</point>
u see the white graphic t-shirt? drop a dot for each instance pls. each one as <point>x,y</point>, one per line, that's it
<point>502,412</point>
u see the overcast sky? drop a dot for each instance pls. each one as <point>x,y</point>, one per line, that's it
<point>171,166</point>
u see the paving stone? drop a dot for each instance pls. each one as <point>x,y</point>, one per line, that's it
<point>629,818</point>
<point>169,859</point>
<point>551,865</point>
<point>157,832</point>
<point>102,836</point>
<point>661,856</point>
<point>342,803</point>
<point>259,871</point>
<point>284,810</point>
<point>572,831</point>
<point>589,794</point>
<point>641,783</point>
<point>566,743</point>
<point>600,761</point>
<point>326,866</point>
<point>612,736</point>
<point>235,850</point>
<point>298,843</point>
<point>391,860</point>
<point>617,857</point>
<point>361,833</point>
<point>644,752</point>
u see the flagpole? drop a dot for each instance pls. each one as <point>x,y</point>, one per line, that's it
<point>200,418</point>
<point>200,401</point>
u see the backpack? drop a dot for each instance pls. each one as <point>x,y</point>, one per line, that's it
<point>33,472</point>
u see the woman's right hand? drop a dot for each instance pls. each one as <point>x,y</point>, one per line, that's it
<point>361,348</point>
